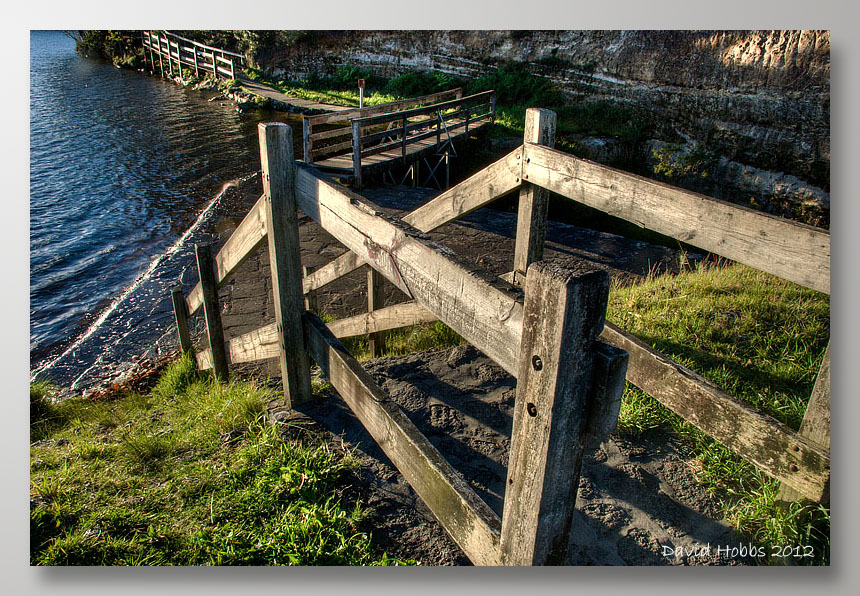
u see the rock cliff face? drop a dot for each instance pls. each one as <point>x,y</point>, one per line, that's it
<point>757,98</point>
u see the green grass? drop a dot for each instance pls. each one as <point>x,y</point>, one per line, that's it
<point>759,338</point>
<point>190,474</point>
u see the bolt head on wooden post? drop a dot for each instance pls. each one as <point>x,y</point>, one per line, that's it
<point>563,314</point>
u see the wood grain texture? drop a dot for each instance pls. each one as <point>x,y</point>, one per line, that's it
<point>375,300</point>
<point>479,309</point>
<point>492,182</point>
<point>769,444</point>
<point>564,312</point>
<point>787,249</point>
<point>816,424</point>
<point>180,316</point>
<point>468,520</point>
<point>332,271</point>
<point>383,319</point>
<point>532,208</point>
<point>212,311</point>
<point>279,175</point>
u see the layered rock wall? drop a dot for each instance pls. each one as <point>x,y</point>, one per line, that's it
<point>759,98</point>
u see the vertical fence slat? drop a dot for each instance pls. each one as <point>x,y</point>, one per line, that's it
<point>816,423</point>
<point>279,186</point>
<point>534,200</point>
<point>563,314</point>
<point>212,311</point>
<point>375,301</point>
<point>310,297</point>
<point>180,315</point>
<point>306,138</point>
<point>356,154</point>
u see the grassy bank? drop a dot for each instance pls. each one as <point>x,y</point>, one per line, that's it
<point>762,340</point>
<point>189,474</point>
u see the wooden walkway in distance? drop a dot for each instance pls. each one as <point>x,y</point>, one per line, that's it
<point>377,138</point>
<point>414,150</point>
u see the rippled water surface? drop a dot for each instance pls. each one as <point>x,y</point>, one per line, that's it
<point>121,165</point>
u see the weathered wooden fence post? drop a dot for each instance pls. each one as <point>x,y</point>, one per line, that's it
<point>279,186</point>
<point>180,315</point>
<point>534,200</point>
<point>816,424</point>
<point>375,301</point>
<point>563,314</point>
<point>212,311</point>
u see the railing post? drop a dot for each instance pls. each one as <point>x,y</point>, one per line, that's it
<point>493,107</point>
<point>564,312</point>
<point>356,154</point>
<point>212,311</point>
<point>534,201</point>
<point>816,423</point>
<point>403,140</point>
<point>180,315</point>
<point>196,66</point>
<point>279,187</point>
<point>375,301</point>
<point>306,138</point>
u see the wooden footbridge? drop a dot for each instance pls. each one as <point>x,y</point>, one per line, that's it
<point>395,136</point>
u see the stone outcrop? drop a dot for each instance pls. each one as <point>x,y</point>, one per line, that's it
<point>756,98</point>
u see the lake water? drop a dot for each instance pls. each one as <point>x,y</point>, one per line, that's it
<point>125,168</point>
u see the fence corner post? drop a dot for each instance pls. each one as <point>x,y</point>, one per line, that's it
<point>212,311</point>
<point>563,314</point>
<point>279,187</point>
<point>534,201</point>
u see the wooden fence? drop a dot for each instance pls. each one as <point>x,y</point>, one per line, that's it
<point>339,126</point>
<point>536,323</point>
<point>569,384</point>
<point>381,135</point>
<point>187,53</point>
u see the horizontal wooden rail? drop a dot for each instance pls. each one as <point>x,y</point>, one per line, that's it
<point>383,118</point>
<point>489,184</point>
<point>769,444</point>
<point>480,310</point>
<point>383,319</point>
<point>245,239</point>
<point>383,108</point>
<point>787,249</point>
<point>149,34</point>
<point>465,516</point>
<point>262,343</point>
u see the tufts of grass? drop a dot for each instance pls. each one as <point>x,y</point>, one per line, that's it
<point>191,474</point>
<point>759,338</point>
